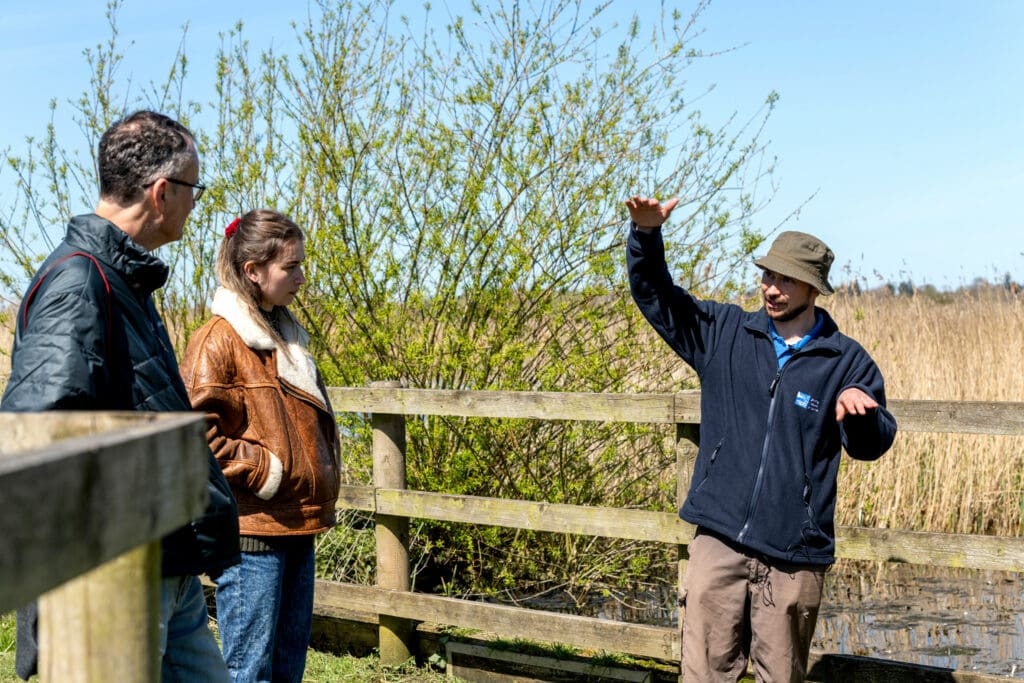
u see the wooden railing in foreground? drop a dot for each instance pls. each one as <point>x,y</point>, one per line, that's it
<point>84,501</point>
<point>393,505</point>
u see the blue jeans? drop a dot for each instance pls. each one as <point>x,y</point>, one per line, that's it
<point>265,612</point>
<point>188,650</point>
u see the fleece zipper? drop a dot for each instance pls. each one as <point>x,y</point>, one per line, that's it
<point>759,479</point>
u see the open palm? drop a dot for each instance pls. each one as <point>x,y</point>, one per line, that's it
<point>648,212</point>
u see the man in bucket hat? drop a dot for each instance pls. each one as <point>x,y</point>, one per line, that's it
<point>782,391</point>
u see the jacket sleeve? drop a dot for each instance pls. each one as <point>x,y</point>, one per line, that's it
<point>685,322</point>
<point>59,358</point>
<point>208,369</point>
<point>869,436</point>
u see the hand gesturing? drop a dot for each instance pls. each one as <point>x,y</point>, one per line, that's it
<point>853,401</point>
<point>648,212</point>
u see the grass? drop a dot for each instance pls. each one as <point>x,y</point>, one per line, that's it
<point>324,668</point>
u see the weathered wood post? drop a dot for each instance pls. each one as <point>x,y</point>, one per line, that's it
<point>395,635</point>
<point>687,441</point>
<point>103,625</point>
<point>90,496</point>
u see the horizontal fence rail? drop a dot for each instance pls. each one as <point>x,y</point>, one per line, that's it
<point>853,543</point>
<point>656,642</point>
<point>953,417</point>
<point>79,489</point>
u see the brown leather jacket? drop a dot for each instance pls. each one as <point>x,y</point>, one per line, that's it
<point>270,422</point>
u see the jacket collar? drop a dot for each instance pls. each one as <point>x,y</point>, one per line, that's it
<point>294,364</point>
<point>143,271</point>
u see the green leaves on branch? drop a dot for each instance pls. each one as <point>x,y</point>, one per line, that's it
<point>461,182</point>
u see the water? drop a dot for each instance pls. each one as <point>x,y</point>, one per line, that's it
<point>962,619</point>
<point>968,620</point>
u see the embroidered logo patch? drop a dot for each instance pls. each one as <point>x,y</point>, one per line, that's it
<point>806,401</point>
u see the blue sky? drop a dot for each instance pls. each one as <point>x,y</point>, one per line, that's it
<point>905,118</point>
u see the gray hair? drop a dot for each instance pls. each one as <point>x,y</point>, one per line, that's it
<point>140,148</point>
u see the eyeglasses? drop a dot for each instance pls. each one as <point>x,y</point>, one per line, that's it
<point>197,189</point>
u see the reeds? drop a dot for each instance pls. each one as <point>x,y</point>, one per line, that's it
<point>964,346</point>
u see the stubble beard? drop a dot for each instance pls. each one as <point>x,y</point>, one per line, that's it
<point>790,313</point>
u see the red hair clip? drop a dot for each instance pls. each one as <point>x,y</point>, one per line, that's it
<point>232,227</point>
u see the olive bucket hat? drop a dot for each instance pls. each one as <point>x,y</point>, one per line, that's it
<point>800,256</point>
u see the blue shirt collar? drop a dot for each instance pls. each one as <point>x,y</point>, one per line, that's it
<point>784,351</point>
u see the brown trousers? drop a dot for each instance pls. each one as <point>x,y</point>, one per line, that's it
<point>739,606</point>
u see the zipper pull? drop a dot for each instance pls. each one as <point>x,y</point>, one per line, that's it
<point>774,384</point>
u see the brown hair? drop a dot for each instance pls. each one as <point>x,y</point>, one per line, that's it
<point>258,236</point>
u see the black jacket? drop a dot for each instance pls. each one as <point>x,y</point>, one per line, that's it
<point>78,347</point>
<point>765,474</point>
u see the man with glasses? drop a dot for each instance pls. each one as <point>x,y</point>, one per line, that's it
<point>88,337</point>
<point>197,189</point>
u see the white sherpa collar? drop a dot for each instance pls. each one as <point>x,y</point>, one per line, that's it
<point>294,365</point>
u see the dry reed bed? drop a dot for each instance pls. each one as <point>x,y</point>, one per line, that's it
<point>966,349</point>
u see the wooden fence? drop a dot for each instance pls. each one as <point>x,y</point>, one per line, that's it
<point>87,496</point>
<point>393,505</point>
<point>85,499</point>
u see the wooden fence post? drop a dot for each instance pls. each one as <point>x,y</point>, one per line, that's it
<point>395,634</point>
<point>89,554</point>
<point>687,443</point>
<point>104,624</point>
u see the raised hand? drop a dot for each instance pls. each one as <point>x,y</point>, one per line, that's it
<point>648,212</point>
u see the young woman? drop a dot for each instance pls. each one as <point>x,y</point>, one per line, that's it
<point>274,435</point>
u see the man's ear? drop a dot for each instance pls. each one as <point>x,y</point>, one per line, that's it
<point>156,195</point>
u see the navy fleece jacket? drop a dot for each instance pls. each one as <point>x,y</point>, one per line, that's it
<point>765,474</point>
